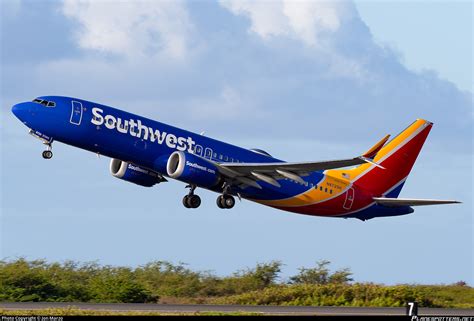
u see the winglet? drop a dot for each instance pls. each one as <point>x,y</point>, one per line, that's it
<point>370,154</point>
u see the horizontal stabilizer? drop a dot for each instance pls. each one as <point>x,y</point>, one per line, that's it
<point>401,202</point>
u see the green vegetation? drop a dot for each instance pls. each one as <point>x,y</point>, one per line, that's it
<point>160,281</point>
<point>72,311</point>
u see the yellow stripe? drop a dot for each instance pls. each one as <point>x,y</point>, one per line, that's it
<point>312,195</point>
<point>356,172</point>
<point>340,179</point>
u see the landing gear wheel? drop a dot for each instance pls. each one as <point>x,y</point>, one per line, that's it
<point>220,201</point>
<point>191,201</point>
<point>229,201</point>
<point>47,154</point>
<point>185,201</point>
<point>225,201</point>
<point>194,201</point>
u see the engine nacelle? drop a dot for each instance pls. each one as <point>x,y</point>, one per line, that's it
<point>133,173</point>
<point>192,169</point>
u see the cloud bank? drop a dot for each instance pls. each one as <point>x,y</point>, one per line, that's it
<point>310,69</point>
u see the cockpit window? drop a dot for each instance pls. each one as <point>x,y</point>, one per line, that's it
<point>45,103</point>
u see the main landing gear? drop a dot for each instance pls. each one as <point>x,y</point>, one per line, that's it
<point>191,200</point>
<point>225,201</point>
<point>48,154</point>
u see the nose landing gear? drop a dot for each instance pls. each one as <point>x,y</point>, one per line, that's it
<point>48,154</point>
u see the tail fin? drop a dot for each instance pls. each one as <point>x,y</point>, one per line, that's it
<point>397,159</point>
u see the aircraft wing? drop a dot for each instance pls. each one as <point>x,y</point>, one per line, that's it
<point>401,202</point>
<point>250,173</point>
<point>303,167</point>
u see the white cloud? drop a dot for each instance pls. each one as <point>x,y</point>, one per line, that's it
<point>132,28</point>
<point>313,23</point>
<point>302,20</point>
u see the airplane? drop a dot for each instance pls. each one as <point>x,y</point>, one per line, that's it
<point>147,152</point>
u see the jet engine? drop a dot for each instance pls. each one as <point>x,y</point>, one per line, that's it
<point>192,169</point>
<point>134,174</point>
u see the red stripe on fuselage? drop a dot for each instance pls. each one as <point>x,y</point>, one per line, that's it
<point>374,183</point>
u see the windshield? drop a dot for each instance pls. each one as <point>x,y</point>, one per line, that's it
<point>45,103</point>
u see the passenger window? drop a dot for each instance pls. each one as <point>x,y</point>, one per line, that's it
<point>220,156</point>
<point>330,191</point>
<point>326,190</point>
<point>226,158</point>
<point>198,150</point>
<point>208,153</point>
<point>321,188</point>
<point>214,156</point>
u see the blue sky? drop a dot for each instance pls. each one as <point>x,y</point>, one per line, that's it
<point>305,81</point>
<point>432,33</point>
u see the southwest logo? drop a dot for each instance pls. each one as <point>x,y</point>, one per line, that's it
<point>135,128</point>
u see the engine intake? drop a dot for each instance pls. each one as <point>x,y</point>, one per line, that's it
<point>192,169</point>
<point>134,173</point>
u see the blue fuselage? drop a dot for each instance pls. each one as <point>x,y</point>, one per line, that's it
<point>144,150</point>
<point>118,134</point>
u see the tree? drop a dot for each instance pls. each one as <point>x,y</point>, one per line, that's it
<point>267,273</point>
<point>26,281</point>
<point>118,285</point>
<point>341,276</point>
<point>321,275</point>
<point>316,275</point>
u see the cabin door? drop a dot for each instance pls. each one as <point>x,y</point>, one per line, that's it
<point>349,199</point>
<point>76,113</point>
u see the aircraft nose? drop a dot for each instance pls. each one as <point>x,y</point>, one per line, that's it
<point>20,110</point>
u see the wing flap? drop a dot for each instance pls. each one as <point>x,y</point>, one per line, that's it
<point>271,171</point>
<point>401,202</point>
